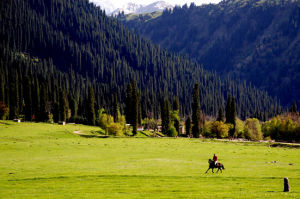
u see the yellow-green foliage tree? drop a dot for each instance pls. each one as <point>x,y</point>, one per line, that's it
<point>239,129</point>
<point>283,127</point>
<point>107,123</point>
<point>220,130</point>
<point>252,129</point>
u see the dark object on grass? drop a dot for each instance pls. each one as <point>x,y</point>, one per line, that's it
<point>212,166</point>
<point>286,185</point>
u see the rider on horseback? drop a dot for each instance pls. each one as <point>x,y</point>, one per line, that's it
<point>215,159</point>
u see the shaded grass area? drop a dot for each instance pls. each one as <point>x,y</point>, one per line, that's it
<point>47,161</point>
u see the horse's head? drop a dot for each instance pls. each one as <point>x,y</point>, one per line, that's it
<point>210,161</point>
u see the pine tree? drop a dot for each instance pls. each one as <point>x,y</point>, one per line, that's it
<point>165,115</point>
<point>140,113</point>
<point>293,109</point>
<point>228,110</point>
<point>2,90</point>
<point>188,126</point>
<point>196,113</point>
<point>176,112</point>
<point>176,104</point>
<point>44,108</point>
<point>115,108</point>
<point>233,116</point>
<point>62,106</point>
<point>128,109</point>
<point>135,107</point>
<point>91,116</point>
<point>220,117</point>
<point>28,99</point>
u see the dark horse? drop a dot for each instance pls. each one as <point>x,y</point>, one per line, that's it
<point>212,165</point>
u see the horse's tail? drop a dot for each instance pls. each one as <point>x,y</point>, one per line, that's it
<point>223,167</point>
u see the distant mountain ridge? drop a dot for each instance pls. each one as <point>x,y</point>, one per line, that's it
<point>141,9</point>
<point>253,40</point>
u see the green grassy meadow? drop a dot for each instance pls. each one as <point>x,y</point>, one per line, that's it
<point>48,161</point>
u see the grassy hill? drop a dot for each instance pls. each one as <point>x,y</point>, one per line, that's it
<point>48,161</point>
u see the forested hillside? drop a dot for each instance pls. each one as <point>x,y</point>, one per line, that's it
<point>56,55</point>
<point>253,40</point>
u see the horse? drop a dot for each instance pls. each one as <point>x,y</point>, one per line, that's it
<point>212,165</point>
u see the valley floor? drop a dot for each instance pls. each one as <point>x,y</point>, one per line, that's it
<point>48,161</point>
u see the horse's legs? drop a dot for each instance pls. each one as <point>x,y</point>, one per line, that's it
<point>207,170</point>
<point>213,170</point>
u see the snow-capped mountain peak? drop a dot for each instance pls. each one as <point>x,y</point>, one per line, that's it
<point>139,9</point>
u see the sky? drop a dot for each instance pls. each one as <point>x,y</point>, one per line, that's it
<point>113,4</point>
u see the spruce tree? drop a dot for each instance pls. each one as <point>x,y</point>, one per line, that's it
<point>165,115</point>
<point>233,116</point>
<point>91,116</point>
<point>188,127</point>
<point>176,104</point>
<point>293,109</point>
<point>2,90</point>
<point>27,98</point>
<point>228,110</point>
<point>139,113</point>
<point>220,117</point>
<point>176,112</point>
<point>135,107</point>
<point>115,108</point>
<point>44,108</point>
<point>62,106</point>
<point>196,113</point>
<point>128,108</point>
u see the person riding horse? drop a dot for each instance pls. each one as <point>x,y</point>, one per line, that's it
<point>214,164</point>
<point>215,159</point>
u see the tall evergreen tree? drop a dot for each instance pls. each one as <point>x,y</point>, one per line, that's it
<point>2,90</point>
<point>233,116</point>
<point>188,127</point>
<point>196,113</point>
<point>91,116</point>
<point>220,117</point>
<point>139,112</point>
<point>62,106</point>
<point>44,107</point>
<point>28,99</point>
<point>176,104</point>
<point>228,110</point>
<point>135,107</point>
<point>14,97</point>
<point>115,107</point>
<point>293,109</point>
<point>176,112</point>
<point>165,115</point>
<point>128,108</point>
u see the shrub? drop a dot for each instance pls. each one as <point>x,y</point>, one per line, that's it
<point>115,129</point>
<point>172,132</point>
<point>252,129</point>
<point>219,129</point>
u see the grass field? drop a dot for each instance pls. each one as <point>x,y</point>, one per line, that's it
<point>48,161</point>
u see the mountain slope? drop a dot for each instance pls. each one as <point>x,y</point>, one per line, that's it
<point>67,47</point>
<point>254,40</point>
